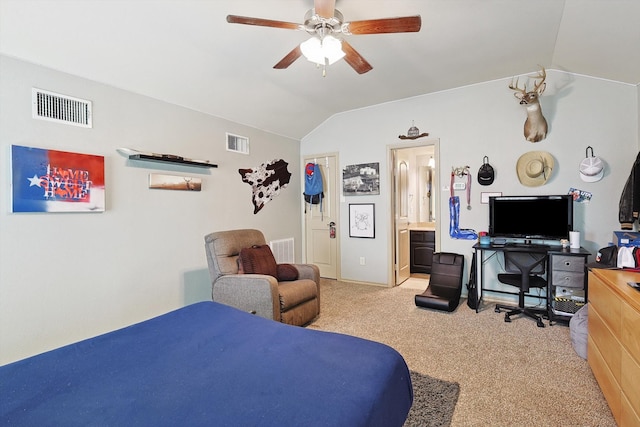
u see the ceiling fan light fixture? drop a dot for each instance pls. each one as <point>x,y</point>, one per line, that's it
<point>332,49</point>
<point>329,49</point>
<point>312,50</point>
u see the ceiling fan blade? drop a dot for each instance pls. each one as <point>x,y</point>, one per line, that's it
<point>235,19</point>
<point>405,24</point>
<point>325,8</point>
<point>289,58</point>
<point>354,59</point>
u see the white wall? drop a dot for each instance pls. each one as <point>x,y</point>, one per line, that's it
<point>485,119</point>
<point>65,277</point>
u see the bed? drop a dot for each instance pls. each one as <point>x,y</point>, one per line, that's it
<point>210,364</point>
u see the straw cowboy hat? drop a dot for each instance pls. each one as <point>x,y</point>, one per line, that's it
<point>534,168</point>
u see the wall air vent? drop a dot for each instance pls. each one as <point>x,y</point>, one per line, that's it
<point>283,250</point>
<point>60,108</point>
<point>237,143</point>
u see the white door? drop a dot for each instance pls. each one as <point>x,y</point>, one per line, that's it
<point>402,264</point>
<point>321,242</point>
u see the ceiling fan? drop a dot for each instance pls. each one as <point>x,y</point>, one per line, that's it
<point>327,26</point>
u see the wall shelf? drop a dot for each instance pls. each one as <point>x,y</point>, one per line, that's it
<point>166,158</point>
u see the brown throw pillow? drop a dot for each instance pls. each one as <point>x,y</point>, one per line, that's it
<point>258,260</point>
<point>287,272</point>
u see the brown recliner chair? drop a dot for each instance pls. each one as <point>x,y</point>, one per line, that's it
<point>445,283</point>
<point>295,302</point>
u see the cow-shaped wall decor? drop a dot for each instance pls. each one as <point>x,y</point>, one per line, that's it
<point>266,181</point>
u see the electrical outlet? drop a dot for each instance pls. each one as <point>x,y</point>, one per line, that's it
<point>362,261</point>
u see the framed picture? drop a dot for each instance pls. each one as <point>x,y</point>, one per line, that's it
<point>174,182</point>
<point>56,181</point>
<point>361,180</point>
<point>484,197</point>
<point>362,221</point>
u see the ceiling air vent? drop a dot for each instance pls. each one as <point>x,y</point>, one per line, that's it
<point>237,143</point>
<point>60,108</point>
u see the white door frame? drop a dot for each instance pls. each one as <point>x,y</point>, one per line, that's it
<point>391,169</point>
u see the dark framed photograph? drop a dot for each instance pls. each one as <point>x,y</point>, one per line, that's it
<point>362,221</point>
<point>361,180</point>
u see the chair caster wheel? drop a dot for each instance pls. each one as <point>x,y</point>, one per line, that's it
<point>540,324</point>
<point>497,310</point>
<point>507,318</point>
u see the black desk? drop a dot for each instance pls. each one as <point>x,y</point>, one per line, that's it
<point>566,271</point>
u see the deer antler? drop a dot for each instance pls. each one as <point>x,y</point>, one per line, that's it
<point>541,75</point>
<point>512,87</point>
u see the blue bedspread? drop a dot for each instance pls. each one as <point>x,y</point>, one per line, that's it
<point>209,364</point>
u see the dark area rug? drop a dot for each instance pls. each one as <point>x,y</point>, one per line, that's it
<point>433,401</point>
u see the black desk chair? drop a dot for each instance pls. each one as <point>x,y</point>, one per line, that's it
<point>523,270</point>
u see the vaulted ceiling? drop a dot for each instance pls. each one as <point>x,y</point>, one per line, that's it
<point>184,52</point>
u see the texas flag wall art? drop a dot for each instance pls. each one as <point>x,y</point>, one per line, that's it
<point>56,181</point>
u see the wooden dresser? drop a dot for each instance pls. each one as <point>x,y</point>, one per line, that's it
<point>614,341</point>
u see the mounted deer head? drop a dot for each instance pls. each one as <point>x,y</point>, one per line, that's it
<point>535,127</point>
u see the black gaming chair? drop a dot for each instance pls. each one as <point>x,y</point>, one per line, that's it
<point>523,270</point>
<point>445,283</point>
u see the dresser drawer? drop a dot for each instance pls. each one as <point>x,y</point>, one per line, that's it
<point>606,303</point>
<point>608,346</point>
<point>567,279</point>
<point>628,416</point>
<point>567,263</point>
<point>629,382</point>
<point>629,336</point>
<point>606,381</point>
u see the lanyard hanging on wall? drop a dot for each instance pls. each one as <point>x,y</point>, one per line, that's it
<point>468,191</point>
<point>462,172</point>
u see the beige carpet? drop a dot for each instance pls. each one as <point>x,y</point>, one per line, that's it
<point>509,373</point>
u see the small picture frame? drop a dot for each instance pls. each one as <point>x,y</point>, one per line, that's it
<point>362,221</point>
<point>484,197</point>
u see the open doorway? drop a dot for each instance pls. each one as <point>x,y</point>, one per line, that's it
<point>415,219</point>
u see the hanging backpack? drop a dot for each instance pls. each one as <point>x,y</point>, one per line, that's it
<point>313,193</point>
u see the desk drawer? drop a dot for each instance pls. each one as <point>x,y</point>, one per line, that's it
<point>567,263</point>
<point>567,279</point>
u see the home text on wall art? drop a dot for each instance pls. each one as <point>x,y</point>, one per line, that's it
<point>56,181</point>
<point>361,180</point>
<point>266,181</point>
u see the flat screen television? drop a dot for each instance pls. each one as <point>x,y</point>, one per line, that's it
<point>531,217</point>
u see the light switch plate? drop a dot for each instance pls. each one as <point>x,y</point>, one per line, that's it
<point>459,185</point>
